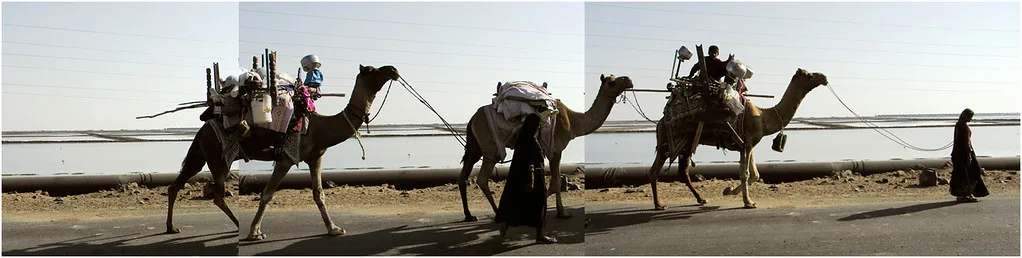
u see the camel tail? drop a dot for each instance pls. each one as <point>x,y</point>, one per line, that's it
<point>472,151</point>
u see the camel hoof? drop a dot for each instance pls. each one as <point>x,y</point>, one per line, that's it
<point>659,207</point>
<point>255,237</point>
<point>701,201</point>
<point>470,219</point>
<point>546,240</point>
<point>503,230</point>
<point>173,230</point>
<point>564,215</point>
<point>750,206</point>
<point>336,231</point>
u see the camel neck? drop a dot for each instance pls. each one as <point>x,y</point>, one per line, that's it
<point>592,119</point>
<point>348,120</point>
<point>778,116</point>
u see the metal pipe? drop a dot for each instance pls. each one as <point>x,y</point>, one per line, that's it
<point>79,184</point>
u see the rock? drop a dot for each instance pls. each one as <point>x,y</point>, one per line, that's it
<point>604,190</point>
<point>388,186</point>
<point>59,200</point>
<point>405,193</point>
<point>941,181</point>
<point>1007,178</point>
<point>899,173</point>
<point>141,202</point>
<point>928,178</point>
<point>630,190</point>
<point>904,180</point>
<point>330,184</point>
<point>145,199</point>
<point>276,203</point>
<point>229,194</point>
<point>841,174</point>
<point>1013,172</point>
<point>257,198</point>
<point>883,181</point>
<point>774,187</point>
<point>858,190</point>
<point>698,177</point>
<point>574,186</point>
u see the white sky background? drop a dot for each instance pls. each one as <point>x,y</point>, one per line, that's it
<point>99,65</point>
<point>880,57</point>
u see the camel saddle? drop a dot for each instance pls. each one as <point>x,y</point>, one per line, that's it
<point>288,123</point>
<point>513,102</point>
<point>716,104</point>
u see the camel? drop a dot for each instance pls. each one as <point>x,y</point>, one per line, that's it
<point>569,124</point>
<point>324,132</point>
<point>754,125</point>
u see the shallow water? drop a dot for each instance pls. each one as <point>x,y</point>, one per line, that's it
<point>445,152</point>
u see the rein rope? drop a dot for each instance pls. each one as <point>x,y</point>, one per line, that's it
<point>875,127</point>
<point>419,97</point>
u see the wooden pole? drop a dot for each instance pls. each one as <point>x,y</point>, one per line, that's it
<point>255,63</point>
<point>702,64</point>
<point>209,84</point>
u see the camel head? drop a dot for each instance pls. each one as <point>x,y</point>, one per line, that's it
<point>613,86</point>
<point>808,80</point>
<point>374,78</point>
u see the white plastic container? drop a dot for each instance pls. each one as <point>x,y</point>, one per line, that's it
<point>261,109</point>
<point>684,54</point>
<point>737,69</point>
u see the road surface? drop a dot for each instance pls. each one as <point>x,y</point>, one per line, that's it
<point>925,226</point>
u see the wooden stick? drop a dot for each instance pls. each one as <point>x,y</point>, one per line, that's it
<point>333,95</point>
<point>203,104</point>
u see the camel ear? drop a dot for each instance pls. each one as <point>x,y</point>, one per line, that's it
<point>602,78</point>
<point>361,68</point>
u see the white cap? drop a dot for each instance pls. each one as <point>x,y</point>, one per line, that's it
<point>310,62</point>
<point>684,53</point>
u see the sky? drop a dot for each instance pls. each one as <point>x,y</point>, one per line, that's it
<point>69,66</point>
<point>880,58</point>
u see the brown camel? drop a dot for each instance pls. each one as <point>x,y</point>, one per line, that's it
<point>569,124</point>
<point>324,132</point>
<point>754,125</point>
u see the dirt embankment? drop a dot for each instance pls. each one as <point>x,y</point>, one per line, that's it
<point>841,188</point>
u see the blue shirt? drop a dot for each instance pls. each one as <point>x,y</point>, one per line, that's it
<point>313,78</point>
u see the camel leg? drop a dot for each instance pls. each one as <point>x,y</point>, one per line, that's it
<point>279,170</point>
<point>555,185</point>
<point>744,179</point>
<point>685,164</point>
<point>466,170</point>
<point>752,168</point>
<point>191,165</point>
<point>219,186</point>
<point>654,174</point>
<point>317,196</point>
<point>172,192</point>
<point>483,179</point>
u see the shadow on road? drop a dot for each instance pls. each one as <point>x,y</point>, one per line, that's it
<point>452,238</point>
<point>898,211</point>
<point>605,221</point>
<point>119,245</point>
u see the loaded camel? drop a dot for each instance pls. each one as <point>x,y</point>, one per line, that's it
<point>324,132</point>
<point>569,124</point>
<point>754,124</point>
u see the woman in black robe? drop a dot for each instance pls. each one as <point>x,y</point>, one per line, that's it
<point>966,177</point>
<point>523,202</point>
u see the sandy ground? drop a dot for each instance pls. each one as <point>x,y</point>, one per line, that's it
<point>132,201</point>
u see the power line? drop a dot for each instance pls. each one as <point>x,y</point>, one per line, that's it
<point>799,19</point>
<point>105,50</point>
<point>94,72</point>
<point>87,88</point>
<point>118,34</point>
<point>833,61</point>
<point>410,40</point>
<point>409,23</point>
<point>835,77</point>
<point>102,60</point>
<point>798,36</point>
<point>87,97</point>
<point>412,52</point>
<point>456,67</point>
<point>808,47</point>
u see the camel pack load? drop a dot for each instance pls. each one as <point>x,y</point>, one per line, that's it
<point>514,101</point>
<point>714,106</point>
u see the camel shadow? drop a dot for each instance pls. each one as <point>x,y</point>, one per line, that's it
<point>452,238</point>
<point>120,245</point>
<point>898,211</point>
<point>605,221</point>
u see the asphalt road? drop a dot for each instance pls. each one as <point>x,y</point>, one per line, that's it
<point>932,226</point>
<point>303,233</point>
<point>207,233</point>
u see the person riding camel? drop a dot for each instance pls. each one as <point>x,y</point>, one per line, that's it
<point>716,69</point>
<point>313,77</point>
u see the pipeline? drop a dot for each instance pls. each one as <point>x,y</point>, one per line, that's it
<point>602,177</point>
<point>596,176</point>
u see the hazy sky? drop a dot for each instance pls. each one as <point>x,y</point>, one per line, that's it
<point>879,57</point>
<point>99,65</point>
